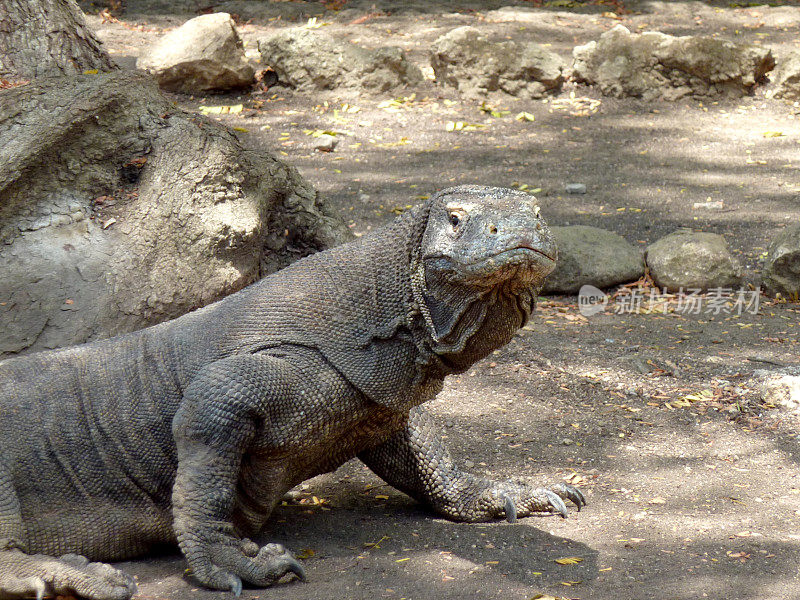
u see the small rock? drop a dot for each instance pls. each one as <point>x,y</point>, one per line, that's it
<point>640,364</point>
<point>465,59</point>
<point>567,442</point>
<point>779,388</point>
<point>654,65</point>
<point>469,464</point>
<point>326,143</point>
<point>203,54</point>
<point>685,260</point>
<point>712,205</point>
<point>575,188</point>
<point>591,256</point>
<point>782,267</point>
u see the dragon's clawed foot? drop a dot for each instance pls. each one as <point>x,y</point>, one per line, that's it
<point>227,565</point>
<point>25,576</point>
<point>522,501</point>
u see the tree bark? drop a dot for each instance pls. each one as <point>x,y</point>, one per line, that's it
<point>47,37</point>
<point>118,211</point>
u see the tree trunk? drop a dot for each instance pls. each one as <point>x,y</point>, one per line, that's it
<point>118,211</point>
<point>47,37</point>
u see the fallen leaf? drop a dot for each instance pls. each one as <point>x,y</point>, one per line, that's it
<point>313,23</point>
<point>487,108</point>
<point>376,544</point>
<point>569,560</point>
<point>221,110</point>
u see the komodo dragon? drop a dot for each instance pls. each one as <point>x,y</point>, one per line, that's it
<point>192,430</point>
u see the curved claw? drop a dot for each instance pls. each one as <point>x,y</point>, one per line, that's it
<point>295,567</point>
<point>572,494</point>
<point>236,586</point>
<point>557,504</point>
<point>510,509</point>
<point>579,499</point>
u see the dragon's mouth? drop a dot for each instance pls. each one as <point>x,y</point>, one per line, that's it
<point>531,249</point>
<point>525,252</point>
<point>519,259</point>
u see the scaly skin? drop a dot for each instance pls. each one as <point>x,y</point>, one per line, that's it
<point>191,431</point>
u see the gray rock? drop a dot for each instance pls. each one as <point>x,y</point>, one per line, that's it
<point>654,65</point>
<point>311,60</point>
<point>779,388</point>
<point>326,143</point>
<point>787,77</point>
<point>514,14</point>
<point>466,60</point>
<point>687,260</point>
<point>575,188</point>
<point>204,54</point>
<point>639,363</point>
<point>591,256</point>
<point>782,268</point>
<point>709,205</point>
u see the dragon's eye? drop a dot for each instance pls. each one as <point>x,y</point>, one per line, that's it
<point>454,219</point>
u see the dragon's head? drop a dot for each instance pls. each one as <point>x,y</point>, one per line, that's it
<point>483,257</point>
<point>485,236</point>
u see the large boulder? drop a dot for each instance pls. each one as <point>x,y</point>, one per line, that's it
<point>787,77</point>
<point>687,260</point>
<point>655,65</point>
<point>517,14</point>
<point>118,210</point>
<point>311,60</point>
<point>591,256</point>
<point>465,59</point>
<point>204,54</point>
<point>782,268</point>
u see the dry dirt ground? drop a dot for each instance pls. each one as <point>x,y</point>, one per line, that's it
<point>688,498</point>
